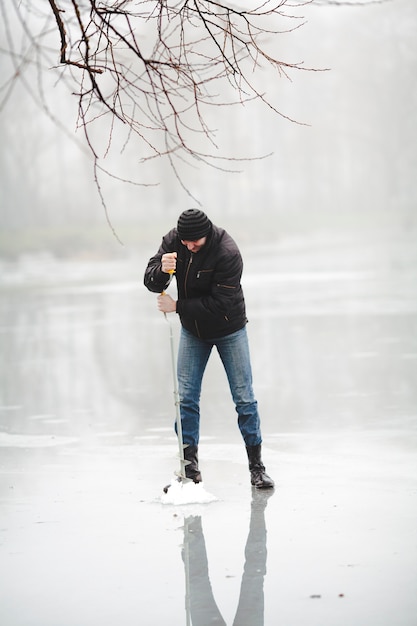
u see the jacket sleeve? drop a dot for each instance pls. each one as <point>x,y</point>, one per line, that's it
<point>225,292</point>
<point>155,279</point>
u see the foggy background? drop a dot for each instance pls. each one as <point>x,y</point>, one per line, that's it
<point>328,231</point>
<point>326,225</point>
<point>349,165</point>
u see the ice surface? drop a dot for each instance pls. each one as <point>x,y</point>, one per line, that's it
<point>87,441</point>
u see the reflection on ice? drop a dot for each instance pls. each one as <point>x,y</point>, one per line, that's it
<point>200,602</point>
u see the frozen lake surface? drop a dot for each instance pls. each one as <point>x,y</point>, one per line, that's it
<point>86,444</point>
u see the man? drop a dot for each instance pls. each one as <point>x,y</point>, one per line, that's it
<point>208,268</point>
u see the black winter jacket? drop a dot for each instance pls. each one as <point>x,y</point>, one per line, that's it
<point>210,297</point>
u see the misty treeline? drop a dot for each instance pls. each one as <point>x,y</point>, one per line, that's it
<point>158,92</point>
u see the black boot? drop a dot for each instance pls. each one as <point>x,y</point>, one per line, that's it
<point>258,477</point>
<point>191,469</point>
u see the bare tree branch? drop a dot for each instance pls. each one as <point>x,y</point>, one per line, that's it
<point>153,68</point>
<point>161,61</point>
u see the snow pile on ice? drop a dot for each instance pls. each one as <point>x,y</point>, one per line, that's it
<point>186,493</point>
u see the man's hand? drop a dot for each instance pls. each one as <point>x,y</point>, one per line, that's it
<point>166,304</point>
<point>169,262</point>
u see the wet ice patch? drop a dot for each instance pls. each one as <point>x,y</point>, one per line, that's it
<point>186,493</point>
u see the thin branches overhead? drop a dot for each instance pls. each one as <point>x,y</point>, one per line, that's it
<point>154,66</point>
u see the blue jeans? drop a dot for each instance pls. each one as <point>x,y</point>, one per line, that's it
<point>193,354</point>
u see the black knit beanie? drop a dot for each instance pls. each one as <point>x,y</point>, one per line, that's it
<point>193,224</point>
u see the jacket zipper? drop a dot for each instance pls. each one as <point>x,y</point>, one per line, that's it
<point>186,275</point>
<point>198,276</point>
<point>185,289</point>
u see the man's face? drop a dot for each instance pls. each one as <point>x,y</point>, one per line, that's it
<point>194,246</point>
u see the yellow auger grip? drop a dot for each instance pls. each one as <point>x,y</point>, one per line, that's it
<point>169,272</point>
